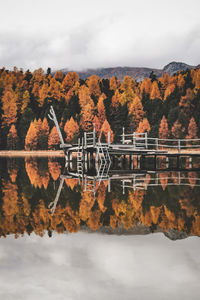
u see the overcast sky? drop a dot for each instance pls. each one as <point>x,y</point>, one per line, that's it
<point>98,33</point>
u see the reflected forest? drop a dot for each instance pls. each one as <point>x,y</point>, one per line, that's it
<point>164,201</point>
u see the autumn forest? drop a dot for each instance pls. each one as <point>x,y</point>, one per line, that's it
<point>165,107</point>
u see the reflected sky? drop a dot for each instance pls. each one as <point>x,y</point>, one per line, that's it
<point>96,266</point>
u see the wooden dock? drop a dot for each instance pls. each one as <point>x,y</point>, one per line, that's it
<point>90,148</point>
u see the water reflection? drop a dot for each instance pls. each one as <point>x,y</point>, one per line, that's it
<point>39,195</point>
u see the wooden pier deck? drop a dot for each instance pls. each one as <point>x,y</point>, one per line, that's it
<point>134,144</point>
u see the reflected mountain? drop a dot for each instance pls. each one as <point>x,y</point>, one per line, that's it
<point>39,195</point>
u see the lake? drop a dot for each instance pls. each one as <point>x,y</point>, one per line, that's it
<point>130,233</point>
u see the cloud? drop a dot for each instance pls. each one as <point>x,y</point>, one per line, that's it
<point>95,266</point>
<point>99,34</point>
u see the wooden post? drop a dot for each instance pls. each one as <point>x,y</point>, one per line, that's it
<point>85,140</point>
<point>66,159</point>
<point>179,146</point>
<point>146,141</point>
<point>94,135</point>
<point>108,138</point>
<point>123,186</point>
<point>131,162</point>
<point>86,160</point>
<point>123,136</point>
<point>167,162</point>
<point>138,161</point>
<point>145,183</point>
<point>109,185</point>
<point>156,142</point>
<point>156,180</point>
<point>190,162</point>
<point>134,140</point>
<point>134,183</point>
<point>179,178</point>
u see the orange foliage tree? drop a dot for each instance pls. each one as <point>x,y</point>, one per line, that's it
<point>43,94</point>
<point>144,126</point>
<point>10,200</point>
<point>192,130</point>
<point>69,81</point>
<point>116,99</point>
<point>101,109</point>
<point>54,169</point>
<point>104,131</point>
<point>38,178</point>
<point>98,125</point>
<point>69,95</point>
<point>170,88</point>
<point>84,96</point>
<point>12,138</point>
<point>43,133</point>
<point>59,76</point>
<point>146,86</point>
<point>113,83</point>
<point>55,89</point>
<point>163,130</point>
<point>31,139</point>
<point>127,89</point>
<point>186,103</point>
<point>54,139</point>
<point>71,129</point>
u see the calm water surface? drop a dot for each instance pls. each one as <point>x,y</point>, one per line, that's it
<point>131,235</point>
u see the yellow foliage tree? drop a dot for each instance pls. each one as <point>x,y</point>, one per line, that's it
<point>84,96</point>
<point>136,111</point>
<point>101,109</point>
<point>155,92</point>
<point>69,81</point>
<point>93,85</point>
<point>25,101</point>
<point>9,106</point>
<point>87,116</point>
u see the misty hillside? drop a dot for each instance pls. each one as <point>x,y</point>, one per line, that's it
<point>137,73</point>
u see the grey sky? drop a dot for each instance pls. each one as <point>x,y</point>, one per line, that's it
<point>98,33</point>
<point>94,266</point>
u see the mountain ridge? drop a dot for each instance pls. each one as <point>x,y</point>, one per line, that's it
<point>139,73</point>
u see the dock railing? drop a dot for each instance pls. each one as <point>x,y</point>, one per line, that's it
<point>90,138</point>
<point>173,144</point>
<point>142,141</point>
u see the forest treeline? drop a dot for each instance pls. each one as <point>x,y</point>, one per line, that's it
<point>168,107</point>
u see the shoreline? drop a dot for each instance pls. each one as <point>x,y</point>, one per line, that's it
<point>60,153</point>
<point>39,153</point>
